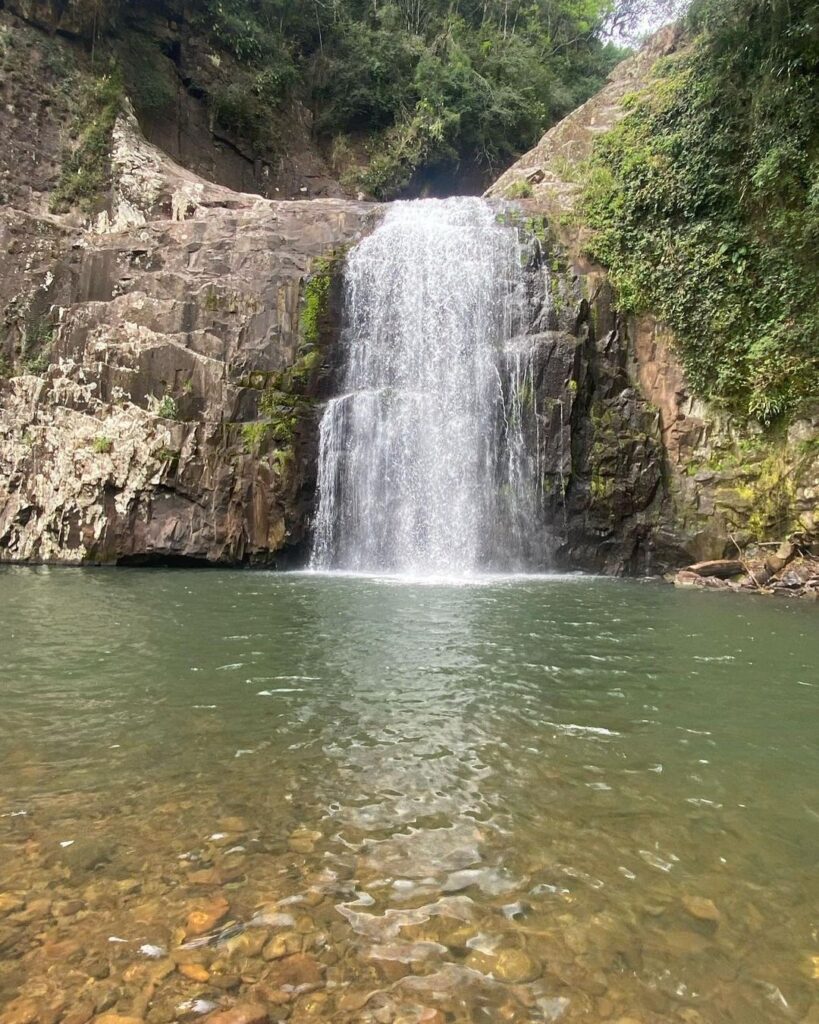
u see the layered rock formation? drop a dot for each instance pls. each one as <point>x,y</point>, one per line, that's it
<point>159,400</point>
<point>177,78</point>
<point>162,367</point>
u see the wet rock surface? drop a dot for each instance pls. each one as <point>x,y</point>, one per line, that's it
<point>788,570</point>
<point>658,478</point>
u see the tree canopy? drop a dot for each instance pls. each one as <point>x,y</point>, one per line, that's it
<point>419,83</point>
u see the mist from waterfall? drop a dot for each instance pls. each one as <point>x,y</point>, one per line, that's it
<point>428,457</point>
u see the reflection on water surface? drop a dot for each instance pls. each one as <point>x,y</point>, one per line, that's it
<point>526,800</point>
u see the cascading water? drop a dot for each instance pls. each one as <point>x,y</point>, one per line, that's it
<point>425,461</point>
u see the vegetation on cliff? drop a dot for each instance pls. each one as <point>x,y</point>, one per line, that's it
<point>398,89</point>
<point>86,170</point>
<point>704,203</point>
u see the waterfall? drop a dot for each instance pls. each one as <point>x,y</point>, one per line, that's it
<point>425,457</point>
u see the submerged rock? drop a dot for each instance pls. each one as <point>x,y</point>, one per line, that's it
<point>116,1018</point>
<point>247,1013</point>
<point>701,908</point>
<point>10,903</point>
<point>84,855</point>
<point>296,971</point>
<point>194,972</point>
<point>204,918</point>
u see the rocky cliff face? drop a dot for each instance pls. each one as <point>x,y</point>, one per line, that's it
<point>161,380</point>
<point>163,364</point>
<point>175,79</point>
<point>652,476</point>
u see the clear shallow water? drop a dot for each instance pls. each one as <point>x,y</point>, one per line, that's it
<point>539,781</point>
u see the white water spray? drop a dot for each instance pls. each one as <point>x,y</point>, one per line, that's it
<point>425,460</point>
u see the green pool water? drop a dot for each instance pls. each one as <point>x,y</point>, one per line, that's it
<point>522,799</point>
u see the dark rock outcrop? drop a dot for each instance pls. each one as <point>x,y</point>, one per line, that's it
<point>656,478</point>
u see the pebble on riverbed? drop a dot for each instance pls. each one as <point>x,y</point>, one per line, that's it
<point>205,917</point>
<point>701,908</point>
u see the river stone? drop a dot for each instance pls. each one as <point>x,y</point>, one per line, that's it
<point>249,943</point>
<point>282,945</point>
<point>80,1013</point>
<point>225,980</point>
<point>84,855</point>
<point>206,876</point>
<point>314,1005</point>
<point>8,939</point>
<point>234,824</point>
<point>194,972</point>
<point>68,908</point>
<point>247,1013</point>
<point>206,917</point>
<point>98,968</point>
<point>303,841</point>
<point>34,909</point>
<point>701,908</point>
<point>515,967</point>
<point>116,1018</point>
<point>107,998</point>
<point>296,970</point>
<point>10,903</point>
<point>22,1011</point>
<point>305,924</point>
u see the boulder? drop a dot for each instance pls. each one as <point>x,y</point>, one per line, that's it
<point>722,568</point>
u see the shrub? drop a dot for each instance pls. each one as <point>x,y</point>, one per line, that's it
<point>520,189</point>
<point>85,173</point>
<point>704,204</point>
<point>167,408</point>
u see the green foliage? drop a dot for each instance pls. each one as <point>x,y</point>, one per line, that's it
<point>253,436</point>
<point>85,172</point>
<point>316,296</point>
<point>166,454</point>
<point>167,408</point>
<point>38,336</point>
<point>148,75</point>
<point>704,204</point>
<point>102,445</point>
<point>520,189</point>
<point>430,83</point>
<point>237,109</point>
<point>37,364</point>
<point>38,333</point>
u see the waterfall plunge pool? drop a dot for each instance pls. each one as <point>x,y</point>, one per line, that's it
<point>508,800</point>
